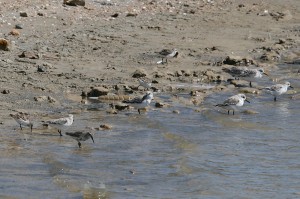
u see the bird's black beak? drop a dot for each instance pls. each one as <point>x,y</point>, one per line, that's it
<point>91,137</point>
<point>247,101</point>
<point>265,73</point>
<point>291,87</point>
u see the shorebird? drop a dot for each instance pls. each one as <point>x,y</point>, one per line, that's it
<point>22,119</point>
<point>167,54</point>
<point>248,73</point>
<point>278,89</point>
<point>80,136</point>
<point>61,122</point>
<point>145,84</point>
<point>233,101</point>
<point>140,103</point>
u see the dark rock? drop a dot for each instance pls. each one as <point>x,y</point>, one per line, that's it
<point>97,91</point>
<point>23,14</point>
<point>74,2</point>
<point>5,91</point>
<point>19,26</point>
<point>139,73</point>
<point>115,15</point>
<point>238,61</point>
<point>41,68</point>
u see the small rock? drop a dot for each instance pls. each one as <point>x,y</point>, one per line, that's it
<point>131,15</point>
<point>176,111</point>
<point>23,14</point>
<point>240,83</point>
<point>5,91</point>
<point>161,105</point>
<point>115,15</point>
<point>97,91</point>
<point>120,106</point>
<point>106,126</point>
<point>51,99</point>
<point>14,32</point>
<point>19,26</point>
<point>112,111</point>
<point>41,68</point>
<point>249,112</point>
<point>40,98</point>
<point>139,73</point>
<point>249,90</point>
<point>29,54</point>
<point>40,14</point>
<point>4,44</point>
<point>74,2</point>
<point>238,61</point>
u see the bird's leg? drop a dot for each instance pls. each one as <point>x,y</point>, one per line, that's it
<point>31,127</point>
<point>275,99</point>
<point>59,131</point>
<point>21,127</point>
<point>250,84</point>
<point>228,112</point>
<point>139,111</point>
<point>79,144</point>
<point>232,112</point>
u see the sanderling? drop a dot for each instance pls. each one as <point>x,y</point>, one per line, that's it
<point>145,84</point>
<point>80,136</point>
<point>140,103</point>
<point>246,72</point>
<point>236,100</point>
<point>61,122</point>
<point>278,89</point>
<point>167,54</point>
<point>23,119</point>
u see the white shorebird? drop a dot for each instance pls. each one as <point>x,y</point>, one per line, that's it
<point>231,102</point>
<point>145,84</point>
<point>61,122</point>
<point>249,73</point>
<point>278,89</point>
<point>140,103</point>
<point>23,119</point>
<point>80,136</point>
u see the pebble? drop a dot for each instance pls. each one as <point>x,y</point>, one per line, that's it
<point>19,26</point>
<point>23,14</point>
<point>106,126</point>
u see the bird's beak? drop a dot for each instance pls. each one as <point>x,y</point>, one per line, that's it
<point>92,138</point>
<point>291,87</point>
<point>265,73</point>
<point>247,101</point>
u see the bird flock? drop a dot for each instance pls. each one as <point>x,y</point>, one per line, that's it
<point>24,119</point>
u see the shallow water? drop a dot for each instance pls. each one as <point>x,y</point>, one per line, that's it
<point>159,154</point>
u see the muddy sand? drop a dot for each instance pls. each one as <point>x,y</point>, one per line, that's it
<point>55,51</point>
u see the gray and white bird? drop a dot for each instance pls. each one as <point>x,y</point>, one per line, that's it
<point>23,119</point>
<point>278,89</point>
<point>145,84</point>
<point>246,73</point>
<point>61,122</point>
<point>233,101</point>
<point>140,103</point>
<point>167,54</point>
<point>80,136</point>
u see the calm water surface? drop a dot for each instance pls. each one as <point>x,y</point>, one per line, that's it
<point>205,154</point>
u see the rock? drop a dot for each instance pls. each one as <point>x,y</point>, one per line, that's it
<point>120,106</point>
<point>176,111</point>
<point>74,2</point>
<point>161,105</point>
<point>139,73</point>
<point>41,98</point>
<point>131,15</point>
<point>238,61</point>
<point>5,91</point>
<point>270,56</point>
<point>106,126</point>
<point>4,44</point>
<point>112,111</point>
<point>51,99</point>
<point>249,90</point>
<point>41,68</point>
<point>29,54</point>
<point>285,15</point>
<point>23,14</point>
<point>19,26</point>
<point>14,32</point>
<point>250,112</point>
<point>115,15</point>
<point>97,91</point>
<point>240,83</point>
<point>211,76</point>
